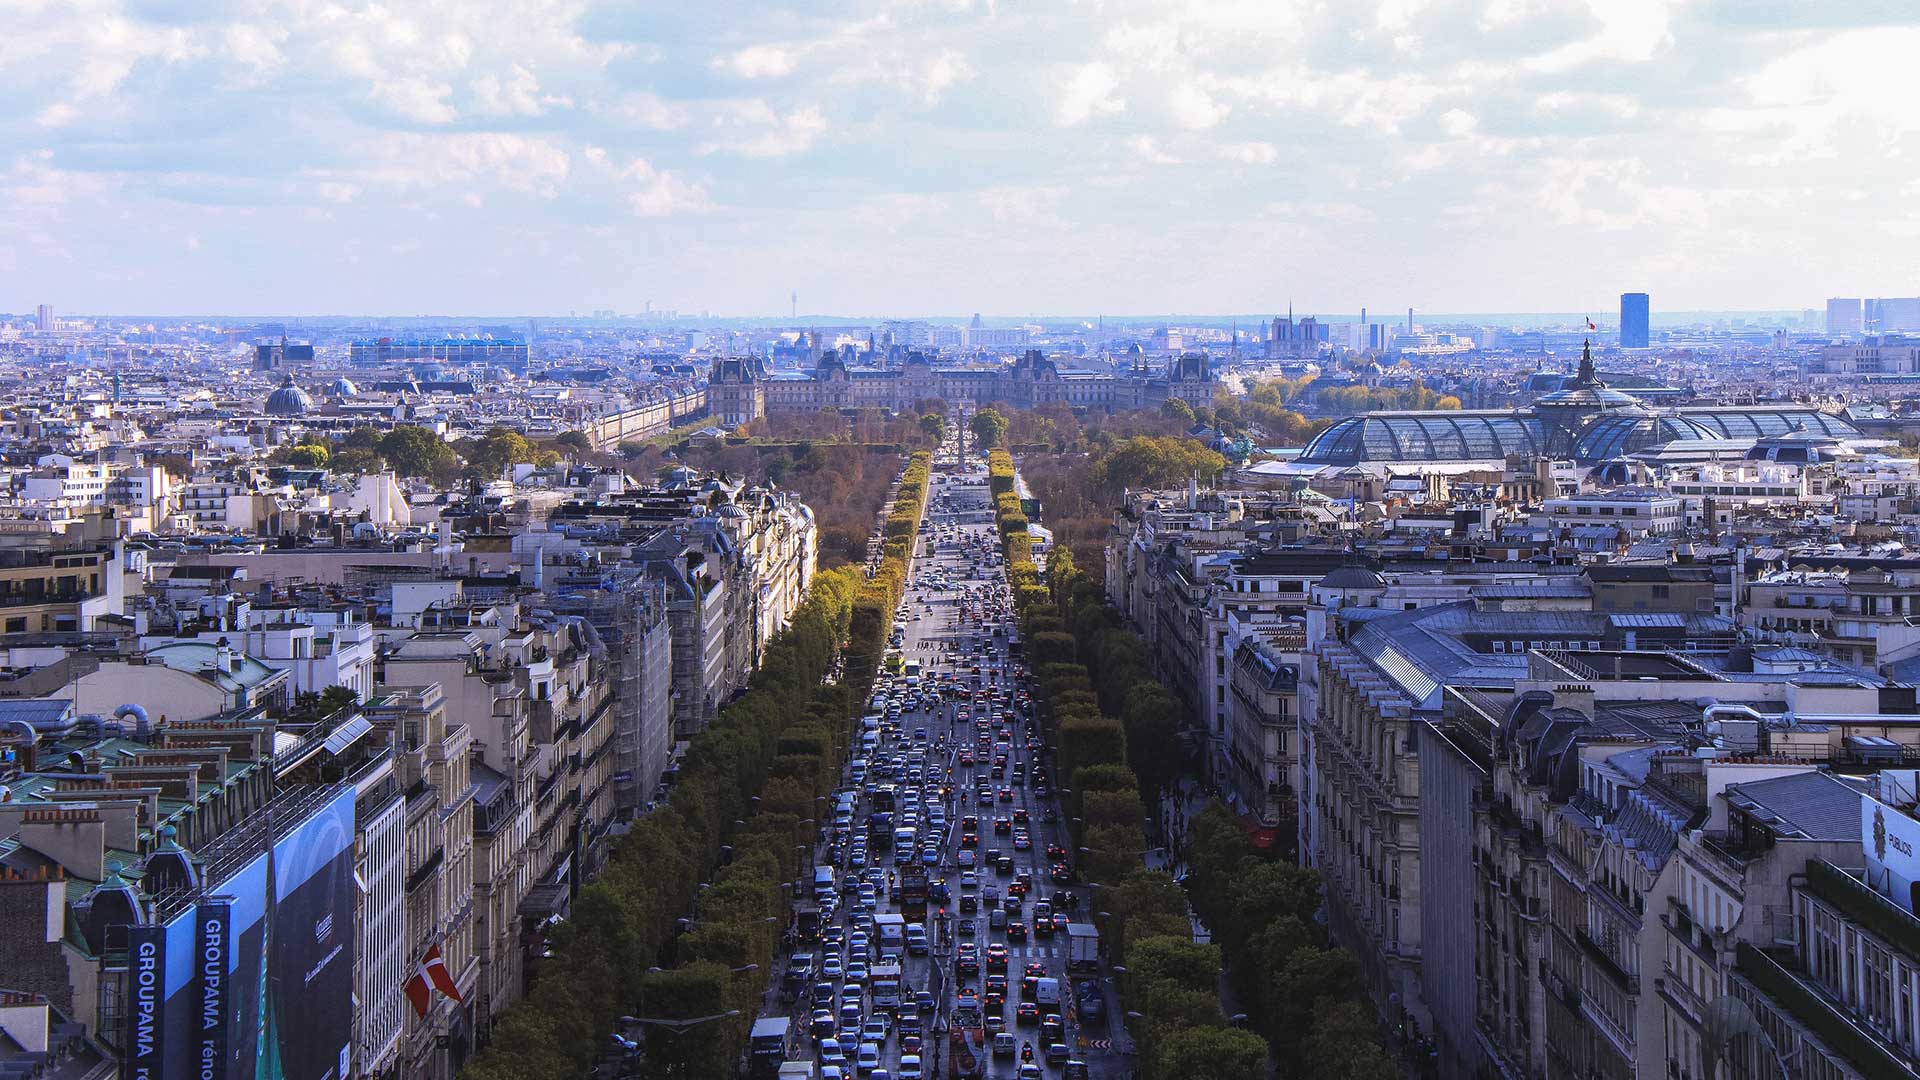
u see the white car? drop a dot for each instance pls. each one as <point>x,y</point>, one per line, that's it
<point>910,1068</point>
<point>868,1059</point>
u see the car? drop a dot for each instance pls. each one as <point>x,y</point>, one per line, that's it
<point>969,881</point>
<point>857,971</point>
<point>995,984</point>
<point>1002,826</point>
<point>1005,1045</point>
<point>1056,853</point>
<point>875,1032</point>
<point>1029,1071</point>
<point>1020,816</point>
<point>923,1002</point>
<point>1026,1014</point>
<point>1060,873</point>
<point>967,963</point>
<point>1052,1028</point>
<point>910,1044</point>
<point>831,967</point>
<point>965,928</point>
<point>1022,842</point>
<point>1056,1053</point>
<point>1016,931</point>
<point>830,1053</point>
<point>969,840</point>
<point>1004,866</point>
<point>997,957</point>
<point>851,1014</point>
<point>910,1067</point>
<point>1092,1004</point>
<point>1034,970</point>
<point>867,1059</point>
<point>832,1072</point>
<point>821,1024</point>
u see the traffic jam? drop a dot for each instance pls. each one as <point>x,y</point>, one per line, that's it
<point>942,934</point>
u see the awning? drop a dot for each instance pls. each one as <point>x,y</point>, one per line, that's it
<point>347,734</point>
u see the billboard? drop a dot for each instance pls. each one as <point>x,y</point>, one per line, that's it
<point>160,984</point>
<point>255,981</point>
<point>215,1016</point>
<point>310,957</point>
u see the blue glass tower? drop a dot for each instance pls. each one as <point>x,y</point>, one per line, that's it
<point>1633,320</point>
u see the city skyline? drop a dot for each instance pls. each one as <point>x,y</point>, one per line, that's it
<point>878,157</point>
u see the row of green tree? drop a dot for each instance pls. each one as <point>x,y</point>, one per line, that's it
<point>879,597</point>
<point>626,949</point>
<point>681,927</point>
<point>1302,994</point>
<point>411,450</point>
<point>1091,715</point>
<point>1121,742</point>
<point>1342,400</point>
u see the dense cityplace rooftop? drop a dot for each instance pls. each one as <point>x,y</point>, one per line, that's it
<point>1582,675</point>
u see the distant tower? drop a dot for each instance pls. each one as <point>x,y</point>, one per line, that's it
<point>1409,320</point>
<point>1634,331</point>
<point>793,304</point>
<point>44,320</point>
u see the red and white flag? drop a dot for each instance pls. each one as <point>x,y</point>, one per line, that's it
<point>1590,325</point>
<point>431,975</point>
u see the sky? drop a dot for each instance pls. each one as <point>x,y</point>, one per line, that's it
<point>903,157</point>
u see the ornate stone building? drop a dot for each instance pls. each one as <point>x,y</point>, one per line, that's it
<point>741,389</point>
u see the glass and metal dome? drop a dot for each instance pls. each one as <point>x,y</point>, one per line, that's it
<point>1426,436</point>
<point>1796,447</point>
<point>1628,431</point>
<point>288,400</point>
<point>1758,422</point>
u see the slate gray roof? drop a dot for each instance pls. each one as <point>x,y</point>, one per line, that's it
<point>1806,805</point>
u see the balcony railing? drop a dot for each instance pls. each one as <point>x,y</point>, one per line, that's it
<point>1809,1008</point>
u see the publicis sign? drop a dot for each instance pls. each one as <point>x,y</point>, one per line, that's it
<point>216,1008</point>
<point>146,1002</point>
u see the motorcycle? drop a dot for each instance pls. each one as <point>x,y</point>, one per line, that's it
<point>1026,1053</point>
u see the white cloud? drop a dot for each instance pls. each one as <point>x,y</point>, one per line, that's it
<point>1250,153</point>
<point>1194,109</point>
<point>651,192</point>
<point>755,129</point>
<point>1087,91</point>
<point>1458,122</point>
<point>1020,204</point>
<point>408,161</point>
<point>1147,149</point>
<point>651,111</point>
<point>414,98</point>
<point>517,95</point>
<point>1631,31</point>
<point>760,61</point>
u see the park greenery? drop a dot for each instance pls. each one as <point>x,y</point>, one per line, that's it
<point>683,921</point>
<point>1118,744</point>
<point>419,452</point>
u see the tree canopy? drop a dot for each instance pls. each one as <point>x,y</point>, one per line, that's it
<point>989,426</point>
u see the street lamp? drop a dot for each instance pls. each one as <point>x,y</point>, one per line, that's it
<point>677,1027</point>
